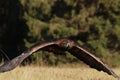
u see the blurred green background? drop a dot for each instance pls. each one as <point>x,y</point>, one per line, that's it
<point>92,23</point>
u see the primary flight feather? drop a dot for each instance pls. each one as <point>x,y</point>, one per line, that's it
<point>61,45</point>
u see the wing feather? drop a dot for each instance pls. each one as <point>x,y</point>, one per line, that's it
<point>17,60</point>
<point>91,60</point>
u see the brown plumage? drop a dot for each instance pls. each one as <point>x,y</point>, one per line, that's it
<point>61,45</point>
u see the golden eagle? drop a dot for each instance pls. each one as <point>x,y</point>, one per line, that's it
<point>57,45</point>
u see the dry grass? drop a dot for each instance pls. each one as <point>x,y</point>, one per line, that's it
<point>55,73</point>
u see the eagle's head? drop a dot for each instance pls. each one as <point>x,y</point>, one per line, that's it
<point>65,43</point>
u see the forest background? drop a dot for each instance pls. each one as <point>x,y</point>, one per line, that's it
<point>92,23</point>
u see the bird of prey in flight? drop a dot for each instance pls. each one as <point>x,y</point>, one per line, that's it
<point>62,44</point>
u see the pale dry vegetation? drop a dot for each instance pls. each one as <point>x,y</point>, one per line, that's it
<point>55,73</point>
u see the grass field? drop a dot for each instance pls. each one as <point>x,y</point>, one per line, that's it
<point>55,73</point>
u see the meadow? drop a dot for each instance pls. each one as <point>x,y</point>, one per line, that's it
<point>56,73</point>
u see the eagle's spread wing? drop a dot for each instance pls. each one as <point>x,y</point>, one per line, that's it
<point>91,60</point>
<point>17,60</point>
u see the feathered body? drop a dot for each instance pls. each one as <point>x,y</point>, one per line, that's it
<point>61,45</point>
